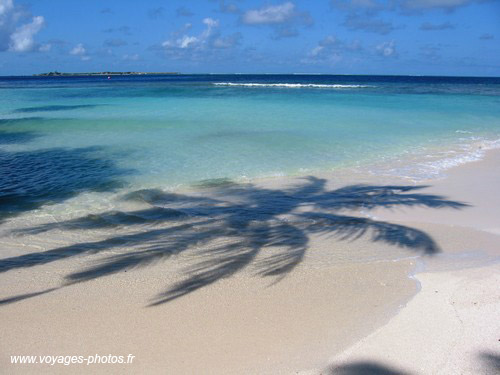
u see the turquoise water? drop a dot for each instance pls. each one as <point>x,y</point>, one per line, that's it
<point>171,131</point>
<point>114,171</point>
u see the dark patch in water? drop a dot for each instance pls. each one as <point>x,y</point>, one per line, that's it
<point>20,121</point>
<point>53,108</point>
<point>8,138</point>
<point>31,179</point>
<point>144,195</point>
<point>159,197</point>
<point>214,183</point>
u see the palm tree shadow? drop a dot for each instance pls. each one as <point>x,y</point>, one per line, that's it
<point>364,368</point>
<point>230,225</point>
<point>35,178</point>
<point>491,362</point>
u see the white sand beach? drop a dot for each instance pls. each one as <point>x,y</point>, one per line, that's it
<point>451,326</point>
<point>272,187</point>
<point>327,315</point>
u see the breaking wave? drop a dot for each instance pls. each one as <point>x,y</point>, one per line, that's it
<point>291,85</point>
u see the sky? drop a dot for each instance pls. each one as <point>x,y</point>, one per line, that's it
<point>413,37</point>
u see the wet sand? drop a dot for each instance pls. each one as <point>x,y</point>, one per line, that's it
<point>333,310</point>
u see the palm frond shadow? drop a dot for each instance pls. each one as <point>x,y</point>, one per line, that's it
<point>491,362</point>
<point>229,226</point>
<point>35,178</point>
<point>364,368</point>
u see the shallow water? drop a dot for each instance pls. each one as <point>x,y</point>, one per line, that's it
<point>173,130</point>
<point>72,148</point>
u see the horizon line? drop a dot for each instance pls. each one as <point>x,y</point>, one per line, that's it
<point>42,75</point>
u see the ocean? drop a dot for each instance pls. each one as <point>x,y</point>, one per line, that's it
<point>75,146</point>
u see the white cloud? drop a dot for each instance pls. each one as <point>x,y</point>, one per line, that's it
<point>210,22</point>
<point>283,18</point>
<point>183,45</point>
<point>273,14</point>
<point>18,28</point>
<point>21,40</point>
<point>187,41</point>
<point>386,49</point>
<point>332,50</point>
<point>78,50</point>
<point>208,32</point>
<point>5,7</point>
<point>81,51</point>
<point>190,41</point>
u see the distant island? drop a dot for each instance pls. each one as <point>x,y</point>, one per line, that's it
<point>59,74</point>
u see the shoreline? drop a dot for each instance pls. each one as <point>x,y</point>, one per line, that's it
<point>321,308</point>
<point>451,320</point>
<point>435,162</point>
<point>461,321</point>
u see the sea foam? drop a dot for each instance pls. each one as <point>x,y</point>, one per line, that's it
<point>419,165</point>
<point>291,85</point>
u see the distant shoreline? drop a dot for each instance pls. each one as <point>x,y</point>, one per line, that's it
<point>58,74</point>
<point>74,74</point>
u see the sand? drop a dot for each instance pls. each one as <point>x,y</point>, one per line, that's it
<point>452,325</point>
<point>329,315</point>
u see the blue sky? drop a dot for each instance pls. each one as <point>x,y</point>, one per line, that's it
<point>417,37</point>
